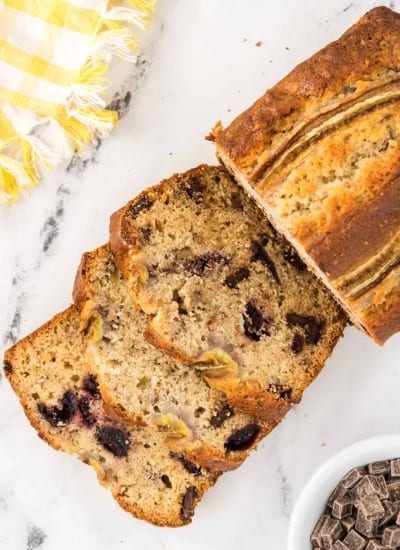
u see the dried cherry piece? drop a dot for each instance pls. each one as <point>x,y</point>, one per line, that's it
<point>198,264</point>
<point>223,414</point>
<point>88,417</point>
<point>188,503</point>
<point>60,415</point>
<point>114,440</point>
<point>261,255</point>
<point>294,259</point>
<point>240,275</point>
<point>139,206</point>
<point>297,343</point>
<point>242,439</point>
<point>255,324</point>
<point>91,385</point>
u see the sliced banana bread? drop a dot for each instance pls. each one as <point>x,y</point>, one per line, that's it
<point>224,291</point>
<point>145,385</point>
<point>62,401</point>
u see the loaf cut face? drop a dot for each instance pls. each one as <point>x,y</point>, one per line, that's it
<point>224,292</point>
<point>61,400</point>
<point>320,153</point>
<point>146,386</point>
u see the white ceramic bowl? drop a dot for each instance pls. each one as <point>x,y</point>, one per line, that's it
<point>312,499</point>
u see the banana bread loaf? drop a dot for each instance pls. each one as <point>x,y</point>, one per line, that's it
<point>224,292</point>
<point>144,385</point>
<point>61,400</point>
<point>320,153</point>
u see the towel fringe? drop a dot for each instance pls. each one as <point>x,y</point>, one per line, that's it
<point>83,118</point>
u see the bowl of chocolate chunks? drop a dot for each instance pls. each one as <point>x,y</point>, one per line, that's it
<point>352,502</point>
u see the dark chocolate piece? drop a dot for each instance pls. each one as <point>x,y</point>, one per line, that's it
<point>189,466</point>
<point>331,531</point>
<point>354,541</point>
<point>242,439</point>
<point>382,467</point>
<point>391,537</point>
<point>395,467</point>
<point>220,416</point>
<point>199,264</point>
<point>352,477</point>
<point>142,204</point>
<point>312,327</point>
<point>188,503</point>
<point>342,507</point>
<point>194,188</point>
<point>261,255</point>
<point>234,279</point>
<point>255,323</point>
<point>91,385</point>
<point>366,526</point>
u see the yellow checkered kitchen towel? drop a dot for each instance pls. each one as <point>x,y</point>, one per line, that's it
<point>53,58</point>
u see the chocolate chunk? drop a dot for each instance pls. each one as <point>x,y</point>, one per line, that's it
<point>342,507</point>
<point>391,537</point>
<point>339,545</point>
<point>194,188</point>
<point>393,487</point>
<point>353,477</point>
<point>113,439</point>
<point>374,545</point>
<point>223,414</point>
<point>242,439</point>
<point>254,322</point>
<point>348,523</point>
<point>381,467</point>
<point>312,327</point>
<point>389,512</point>
<point>7,366</point>
<point>316,534</point>
<point>233,280</point>
<point>62,415</point>
<point>293,258</point>
<point>189,466</point>
<point>366,526</point>
<point>338,492</point>
<point>198,264</point>
<point>167,482</point>
<point>146,233</point>
<point>91,385</point>
<point>144,203</point>
<point>261,255</point>
<point>395,467</point>
<point>297,343</point>
<point>331,531</point>
<point>188,503</point>
<point>84,409</point>
<point>371,507</point>
<point>370,485</point>
<point>354,541</point>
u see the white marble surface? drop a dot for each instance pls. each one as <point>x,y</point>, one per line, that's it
<point>199,63</point>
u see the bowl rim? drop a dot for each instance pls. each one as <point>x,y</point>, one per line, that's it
<point>345,459</point>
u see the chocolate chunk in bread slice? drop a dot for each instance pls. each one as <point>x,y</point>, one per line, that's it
<point>224,292</point>
<point>146,386</point>
<point>61,400</point>
<point>320,153</point>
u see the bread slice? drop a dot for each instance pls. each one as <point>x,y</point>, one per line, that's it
<point>47,371</point>
<point>320,153</point>
<point>224,292</point>
<point>144,385</point>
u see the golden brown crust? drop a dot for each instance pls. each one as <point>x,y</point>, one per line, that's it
<point>366,53</point>
<point>304,138</point>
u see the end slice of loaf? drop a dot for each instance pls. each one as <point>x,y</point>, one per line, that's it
<point>319,151</point>
<point>47,372</point>
<point>224,292</point>
<point>146,386</point>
